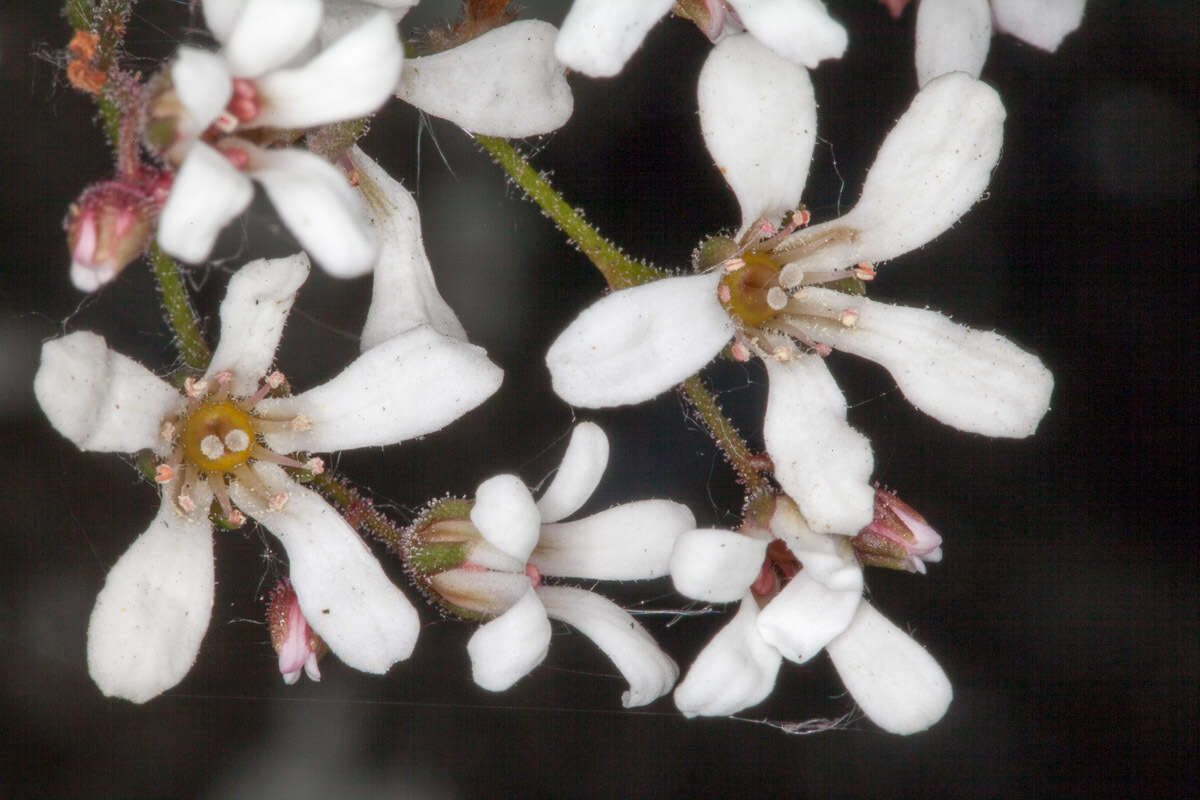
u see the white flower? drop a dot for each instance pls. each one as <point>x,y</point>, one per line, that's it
<point>758,117</point>
<point>599,36</point>
<point>224,438</point>
<point>511,541</point>
<point>218,103</point>
<point>954,35</point>
<point>892,678</point>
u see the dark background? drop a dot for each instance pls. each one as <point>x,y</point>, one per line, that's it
<point>1065,611</point>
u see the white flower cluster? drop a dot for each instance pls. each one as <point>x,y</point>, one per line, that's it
<point>233,440</point>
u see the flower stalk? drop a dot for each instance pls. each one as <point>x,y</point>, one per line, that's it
<point>181,316</point>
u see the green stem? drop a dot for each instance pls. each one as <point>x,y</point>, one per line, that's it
<point>358,511</point>
<point>621,272</point>
<point>180,315</point>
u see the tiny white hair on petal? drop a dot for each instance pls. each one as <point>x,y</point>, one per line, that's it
<point>894,680</point>
<point>578,473</point>
<point>952,36</point>
<point>632,541</point>
<point>343,592</point>
<point>636,343</point>
<point>204,86</point>
<point>208,192</point>
<point>99,399</point>
<point>270,33</point>
<point>758,116</point>
<point>976,381</point>
<point>650,672</point>
<point>716,565</point>
<point>151,616</point>
<point>799,30</point>
<point>412,384</point>
<point>599,36</point>
<point>506,516</point>
<point>1041,23</point>
<point>256,307</point>
<point>506,82</point>
<point>506,649</point>
<point>736,670</point>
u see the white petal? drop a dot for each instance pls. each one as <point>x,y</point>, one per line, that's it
<point>410,385</point>
<point>485,592</point>
<point>892,678</point>
<point>636,343</point>
<point>207,194</point>
<point>99,399</point>
<point>931,169</point>
<point>735,670</point>
<point>255,308</point>
<point>343,592</point>
<point>506,649</point>
<point>506,516</point>
<point>759,120</point>
<point>351,78</point>
<point>318,205</point>
<point>627,542</point>
<point>799,30</point>
<point>819,602</point>
<point>599,36</point>
<point>820,461</point>
<point>153,611</point>
<point>269,33</point>
<point>578,475</point>
<point>221,16</point>
<point>651,672</point>
<point>952,36</point>
<point>504,83</point>
<point>716,565</point>
<point>202,81</point>
<point>973,380</point>
<point>1041,23</point>
<point>343,16</point>
<point>404,293</point>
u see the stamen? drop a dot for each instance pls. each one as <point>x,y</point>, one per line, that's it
<point>739,351</point>
<point>801,217</point>
<point>236,518</point>
<point>187,503</point>
<point>864,271</point>
<point>315,465</point>
<point>264,454</point>
<point>226,122</point>
<point>848,317</point>
<point>216,482</point>
<point>734,264</point>
<point>724,294</point>
<point>301,423</point>
<point>782,353</point>
<point>163,473</point>
<point>270,383</point>
<point>212,447</point>
<point>237,440</point>
<point>167,431</point>
<point>223,378</point>
<point>776,298</point>
<point>195,389</point>
<point>277,501</point>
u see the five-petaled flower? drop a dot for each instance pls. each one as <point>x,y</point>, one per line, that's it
<point>225,441</point>
<point>766,292</point>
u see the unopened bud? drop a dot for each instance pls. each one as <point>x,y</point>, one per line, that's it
<point>713,251</point>
<point>107,227</point>
<point>295,642</point>
<point>898,537</point>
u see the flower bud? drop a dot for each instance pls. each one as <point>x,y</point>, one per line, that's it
<point>107,227</point>
<point>298,647</point>
<point>898,537</point>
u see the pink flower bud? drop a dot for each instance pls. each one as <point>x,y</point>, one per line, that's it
<point>898,537</point>
<point>108,227</point>
<point>298,647</point>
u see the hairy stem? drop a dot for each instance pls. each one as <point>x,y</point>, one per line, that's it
<point>180,315</point>
<point>748,467</point>
<point>359,511</point>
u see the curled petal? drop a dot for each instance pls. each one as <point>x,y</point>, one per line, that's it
<point>799,30</point>
<point>350,78</point>
<point>820,461</point>
<point>952,36</point>
<point>404,293</point>
<point>1041,23</point>
<point>315,200</point>
<point>343,592</point>
<point>505,83</point>
<point>578,475</point>
<point>651,672</point>
<point>99,399</point>
<point>506,516</point>
<point>506,649</point>
<point>255,308</point>
<point>715,565</point>
<point>627,542</point>
<point>207,194</point>
<point>410,385</point>
<point>484,592</point>
<point>759,120</point>
<point>203,84</point>
<point>153,611</point>
<point>894,680</point>
<point>269,33</point>
<point>599,36</point>
<point>975,381</point>
<point>636,343</point>
<point>736,670</point>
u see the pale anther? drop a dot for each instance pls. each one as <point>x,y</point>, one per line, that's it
<point>782,353</point>
<point>236,518</point>
<point>223,377</point>
<point>724,294</point>
<point>739,352</point>
<point>212,447</point>
<point>195,389</point>
<point>163,473</point>
<point>849,318</point>
<point>315,465</point>
<point>776,298</point>
<point>277,501</point>
<point>301,423</point>
<point>275,379</point>
<point>167,431</point>
<point>237,440</point>
<point>864,271</point>
<point>733,264</point>
<point>187,503</point>
<point>225,122</point>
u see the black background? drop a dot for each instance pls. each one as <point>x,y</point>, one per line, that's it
<point>1065,611</point>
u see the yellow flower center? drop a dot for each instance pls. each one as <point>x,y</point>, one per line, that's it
<point>217,437</point>
<point>747,287</point>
